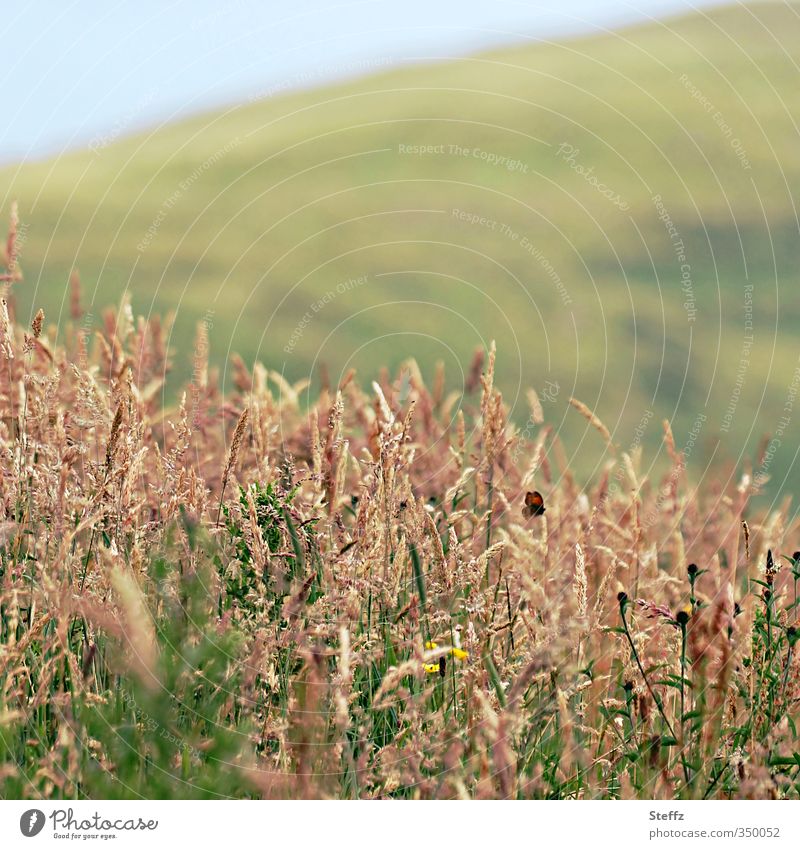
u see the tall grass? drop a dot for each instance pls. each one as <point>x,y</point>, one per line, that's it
<point>272,595</point>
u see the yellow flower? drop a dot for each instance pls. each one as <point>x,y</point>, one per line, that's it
<point>433,668</point>
<point>456,651</point>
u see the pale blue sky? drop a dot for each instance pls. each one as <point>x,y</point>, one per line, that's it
<point>76,69</point>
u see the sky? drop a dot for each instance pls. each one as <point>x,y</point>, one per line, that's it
<point>81,70</point>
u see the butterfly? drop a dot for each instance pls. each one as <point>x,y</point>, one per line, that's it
<point>534,505</point>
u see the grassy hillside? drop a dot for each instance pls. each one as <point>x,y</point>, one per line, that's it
<point>600,205</point>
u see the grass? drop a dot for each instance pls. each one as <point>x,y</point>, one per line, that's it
<point>247,217</point>
<point>250,596</point>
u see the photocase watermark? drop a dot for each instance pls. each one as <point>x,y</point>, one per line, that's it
<point>222,11</point>
<point>83,335</point>
<point>23,228</point>
<point>12,272</point>
<point>687,286</point>
<point>181,189</point>
<point>317,306</point>
<point>719,119</point>
<point>496,160</point>
<point>569,153</point>
<point>677,469</point>
<point>320,75</point>
<point>762,475</point>
<point>32,822</point>
<point>614,484</point>
<point>744,360</point>
<point>102,140</point>
<point>549,394</point>
<point>148,723</point>
<point>200,367</point>
<point>525,244</point>
<point>65,825</point>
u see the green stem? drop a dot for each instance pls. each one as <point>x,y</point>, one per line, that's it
<point>656,699</point>
<point>683,678</point>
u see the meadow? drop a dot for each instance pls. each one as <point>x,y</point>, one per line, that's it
<point>619,208</point>
<point>262,594</point>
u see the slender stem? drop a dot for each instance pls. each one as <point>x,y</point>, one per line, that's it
<point>683,677</point>
<point>489,500</point>
<point>511,623</point>
<point>716,778</point>
<point>786,672</point>
<point>652,692</point>
<point>219,508</point>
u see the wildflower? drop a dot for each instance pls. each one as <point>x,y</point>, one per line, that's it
<point>661,611</point>
<point>771,570</point>
<point>655,611</point>
<point>433,668</point>
<point>456,651</point>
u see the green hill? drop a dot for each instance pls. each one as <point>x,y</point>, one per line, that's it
<point>599,206</point>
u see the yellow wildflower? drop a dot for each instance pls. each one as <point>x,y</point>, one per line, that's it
<point>456,651</point>
<point>433,668</point>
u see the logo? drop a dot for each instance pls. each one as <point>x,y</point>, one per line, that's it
<point>31,822</point>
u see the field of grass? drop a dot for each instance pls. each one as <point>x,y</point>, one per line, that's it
<point>602,205</point>
<point>249,597</point>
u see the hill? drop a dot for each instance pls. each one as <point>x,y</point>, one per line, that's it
<point>618,210</point>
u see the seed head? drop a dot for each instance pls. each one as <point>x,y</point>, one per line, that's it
<point>36,325</point>
<point>236,443</point>
<point>6,332</point>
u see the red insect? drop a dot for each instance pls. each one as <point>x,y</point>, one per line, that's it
<point>534,505</point>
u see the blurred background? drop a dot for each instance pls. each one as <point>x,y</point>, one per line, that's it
<point>606,189</point>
